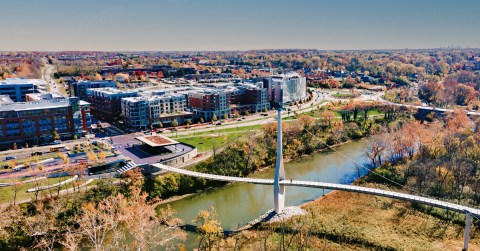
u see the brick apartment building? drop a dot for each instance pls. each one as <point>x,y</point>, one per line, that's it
<point>106,103</point>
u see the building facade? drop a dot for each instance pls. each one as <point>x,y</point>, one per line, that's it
<point>154,111</point>
<point>17,89</point>
<point>106,103</point>
<point>226,99</point>
<point>38,121</point>
<point>290,88</point>
<point>209,103</point>
<point>79,89</point>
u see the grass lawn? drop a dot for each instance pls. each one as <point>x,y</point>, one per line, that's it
<point>219,129</point>
<point>7,193</point>
<point>345,95</point>
<point>206,143</point>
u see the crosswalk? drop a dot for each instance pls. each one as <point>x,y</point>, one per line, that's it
<point>129,166</point>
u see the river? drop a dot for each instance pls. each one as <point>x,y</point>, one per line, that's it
<point>239,203</point>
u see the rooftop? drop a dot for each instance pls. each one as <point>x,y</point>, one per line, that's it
<point>111,90</point>
<point>19,81</point>
<point>152,97</point>
<point>41,104</point>
<point>157,140</point>
<point>45,96</point>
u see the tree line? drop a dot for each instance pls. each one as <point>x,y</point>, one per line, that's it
<point>439,158</point>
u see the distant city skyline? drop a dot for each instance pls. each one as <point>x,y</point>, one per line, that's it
<point>191,25</point>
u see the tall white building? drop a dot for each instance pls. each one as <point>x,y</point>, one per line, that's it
<point>293,85</point>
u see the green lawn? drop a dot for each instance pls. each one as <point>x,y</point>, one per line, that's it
<point>345,95</point>
<point>219,129</point>
<point>206,143</point>
<point>7,193</point>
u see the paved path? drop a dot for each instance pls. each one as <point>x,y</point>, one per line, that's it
<point>349,188</point>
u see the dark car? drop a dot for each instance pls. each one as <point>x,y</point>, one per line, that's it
<point>37,153</point>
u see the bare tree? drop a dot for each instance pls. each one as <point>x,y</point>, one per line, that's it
<point>97,222</point>
<point>375,148</point>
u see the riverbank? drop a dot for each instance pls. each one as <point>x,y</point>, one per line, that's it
<point>340,221</point>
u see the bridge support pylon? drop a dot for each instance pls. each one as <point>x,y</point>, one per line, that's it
<point>278,189</point>
<point>468,222</point>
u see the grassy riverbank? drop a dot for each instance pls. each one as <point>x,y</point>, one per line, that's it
<point>346,221</point>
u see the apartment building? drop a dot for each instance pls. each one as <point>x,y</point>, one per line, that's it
<point>152,110</point>
<point>221,99</point>
<point>106,103</point>
<point>79,89</point>
<point>208,103</point>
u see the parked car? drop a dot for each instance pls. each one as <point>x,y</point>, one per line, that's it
<point>57,142</point>
<point>10,157</point>
<point>37,153</point>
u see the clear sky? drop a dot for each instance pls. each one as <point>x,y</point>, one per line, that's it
<point>162,25</point>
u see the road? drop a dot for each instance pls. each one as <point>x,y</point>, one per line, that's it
<point>47,77</point>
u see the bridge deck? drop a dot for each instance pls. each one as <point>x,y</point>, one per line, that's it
<point>332,186</point>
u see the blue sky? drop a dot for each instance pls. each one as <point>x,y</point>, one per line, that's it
<point>238,24</point>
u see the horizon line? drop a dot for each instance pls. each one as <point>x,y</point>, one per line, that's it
<point>264,49</point>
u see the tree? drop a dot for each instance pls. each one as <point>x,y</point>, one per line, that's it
<point>97,222</point>
<point>209,228</point>
<point>91,156</point>
<point>247,113</point>
<point>55,134</point>
<point>225,116</point>
<point>12,163</point>
<point>236,114</point>
<point>375,148</point>
<point>214,118</point>
<point>189,122</point>
<point>174,123</point>
<point>102,155</point>
<point>327,117</point>
<point>148,228</point>
<point>64,158</point>
<point>17,185</point>
<point>201,120</point>
<point>458,120</point>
